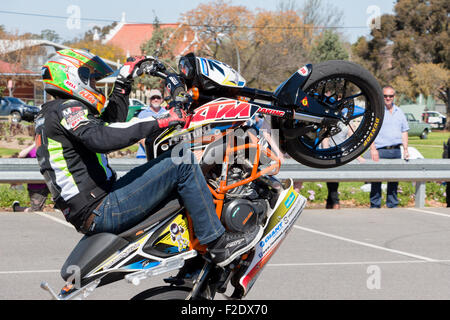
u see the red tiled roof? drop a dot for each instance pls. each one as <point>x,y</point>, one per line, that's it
<point>6,67</point>
<point>130,37</point>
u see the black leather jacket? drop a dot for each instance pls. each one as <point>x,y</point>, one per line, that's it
<point>71,149</point>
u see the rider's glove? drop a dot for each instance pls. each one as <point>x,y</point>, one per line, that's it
<point>131,69</point>
<point>175,117</point>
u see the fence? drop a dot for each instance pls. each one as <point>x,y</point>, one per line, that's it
<point>419,171</point>
<point>7,118</point>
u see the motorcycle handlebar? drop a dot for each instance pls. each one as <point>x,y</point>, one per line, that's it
<point>154,68</point>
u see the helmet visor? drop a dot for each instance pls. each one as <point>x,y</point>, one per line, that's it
<point>95,68</point>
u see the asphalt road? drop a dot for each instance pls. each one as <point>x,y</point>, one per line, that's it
<point>339,254</point>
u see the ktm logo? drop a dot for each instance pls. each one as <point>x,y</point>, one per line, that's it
<point>225,109</point>
<point>89,97</point>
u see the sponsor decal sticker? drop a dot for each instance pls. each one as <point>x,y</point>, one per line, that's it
<point>74,117</point>
<point>305,102</point>
<point>272,112</point>
<point>224,109</point>
<point>88,96</point>
<point>289,200</point>
<point>303,71</point>
<point>70,84</point>
<point>372,133</point>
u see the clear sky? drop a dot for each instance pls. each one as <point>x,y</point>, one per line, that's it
<point>356,13</point>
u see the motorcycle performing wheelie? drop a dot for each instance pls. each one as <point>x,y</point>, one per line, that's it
<point>239,165</point>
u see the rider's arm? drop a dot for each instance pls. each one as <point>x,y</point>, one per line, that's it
<point>118,103</point>
<point>101,137</point>
<point>117,109</point>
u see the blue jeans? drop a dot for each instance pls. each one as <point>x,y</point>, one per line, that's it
<point>375,191</point>
<point>138,192</point>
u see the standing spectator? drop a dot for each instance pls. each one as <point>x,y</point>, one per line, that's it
<point>155,110</point>
<point>38,192</point>
<point>333,193</point>
<point>393,134</point>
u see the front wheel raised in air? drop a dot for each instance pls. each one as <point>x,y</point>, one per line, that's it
<point>350,91</point>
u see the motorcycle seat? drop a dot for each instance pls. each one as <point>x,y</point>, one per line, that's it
<point>159,214</point>
<point>93,250</point>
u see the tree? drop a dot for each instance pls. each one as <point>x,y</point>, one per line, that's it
<point>50,35</point>
<point>328,47</point>
<point>89,35</point>
<point>428,79</point>
<point>161,45</point>
<point>106,51</point>
<point>421,34</point>
<point>2,31</point>
<point>416,35</point>
<point>277,48</point>
<point>376,54</point>
<point>265,46</point>
<point>319,14</point>
<point>218,22</point>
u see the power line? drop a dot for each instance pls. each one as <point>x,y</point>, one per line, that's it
<point>54,17</point>
<point>190,25</point>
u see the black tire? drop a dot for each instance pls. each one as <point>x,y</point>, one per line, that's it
<point>424,134</point>
<point>164,293</point>
<point>349,78</point>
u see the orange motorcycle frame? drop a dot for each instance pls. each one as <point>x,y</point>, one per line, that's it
<point>220,192</point>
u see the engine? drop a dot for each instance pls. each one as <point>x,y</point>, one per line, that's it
<point>244,206</point>
<point>240,215</point>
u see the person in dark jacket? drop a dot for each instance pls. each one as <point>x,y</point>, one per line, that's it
<point>74,133</point>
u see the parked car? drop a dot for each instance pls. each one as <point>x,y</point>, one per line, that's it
<point>434,118</point>
<point>17,109</point>
<point>135,107</point>
<point>417,128</point>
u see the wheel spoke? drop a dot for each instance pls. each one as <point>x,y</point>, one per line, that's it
<point>344,90</point>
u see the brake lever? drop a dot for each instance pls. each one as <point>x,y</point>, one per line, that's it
<point>154,68</point>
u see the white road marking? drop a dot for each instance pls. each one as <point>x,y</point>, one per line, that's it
<point>429,212</point>
<point>316,264</point>
<point>64,223</point>
<point>366,244</point>
<point>29,271</point>
<point>276,265</point>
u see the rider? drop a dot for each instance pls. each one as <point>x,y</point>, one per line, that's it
<point>77,129</point>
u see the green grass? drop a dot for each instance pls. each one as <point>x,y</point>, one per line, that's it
<point>351,194</point>
<point>7,153</point>
<point>430,148</point>
<point>10,193</point>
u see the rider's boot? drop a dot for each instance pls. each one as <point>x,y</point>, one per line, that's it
<point>232,244</point>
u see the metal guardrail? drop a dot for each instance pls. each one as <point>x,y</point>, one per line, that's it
<point>7,118</point>
<point>419,171</point>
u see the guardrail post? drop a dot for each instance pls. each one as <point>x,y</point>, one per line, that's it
<point>420,194</point>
